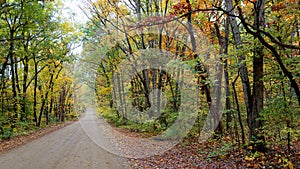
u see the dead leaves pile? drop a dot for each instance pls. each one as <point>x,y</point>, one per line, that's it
<point>192,154</point>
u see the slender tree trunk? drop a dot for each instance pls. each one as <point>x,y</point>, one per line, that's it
<point>288,121</point>
<point>216,104</point>
<point>123,97</point>
<point>199,67</point>
<point>42,106</point>
<point>13,78</point>
<point>45,98</point>
<point>115,95</point>
<point>226,75</point>
<point>121,105</point>
<point>17,76</point>
<point>35,92</point>
<point>24,89</point>
<point>160,87</point>
<point>47,113</point>
<point>105,74</point>
<point>243,71</point>
<point>51,102</point>
<point>61,106</point>
<point>146,84</point>
<point>238,110</point>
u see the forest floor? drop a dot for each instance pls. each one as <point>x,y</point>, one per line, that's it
<point>219,154</point>
<point>213,155</point>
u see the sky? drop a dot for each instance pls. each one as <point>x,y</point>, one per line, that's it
<point>74,8</point>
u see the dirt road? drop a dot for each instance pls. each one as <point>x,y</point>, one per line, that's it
<point>67,148</point>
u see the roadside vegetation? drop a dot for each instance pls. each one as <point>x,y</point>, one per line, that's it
<point>36,61</point>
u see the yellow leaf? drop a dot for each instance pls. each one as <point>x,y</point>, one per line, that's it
<point>255,165</point>
<point>249,158</point>
<point>290,164</point>
<point>223,156</point>
<point>279,161</point>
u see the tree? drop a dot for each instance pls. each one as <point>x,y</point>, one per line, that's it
<point>36,46</point>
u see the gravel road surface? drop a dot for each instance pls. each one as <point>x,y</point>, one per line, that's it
<point>67,148</point>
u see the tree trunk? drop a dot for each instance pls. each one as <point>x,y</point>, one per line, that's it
<point>243,71</point>
<point>226,76</point>
<point>13,78</point>
<point>238,110</point>
<point>24,89</point>
<point>35,92</point>
<point>258,65</point>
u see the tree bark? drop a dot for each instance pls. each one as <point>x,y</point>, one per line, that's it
<point>35,92</point>
<point>238,110</point>
<point>258,74</point>
<point>13,77</point>
<point>243,71</point>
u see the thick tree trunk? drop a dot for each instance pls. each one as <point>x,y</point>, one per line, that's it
<point>258,74</point>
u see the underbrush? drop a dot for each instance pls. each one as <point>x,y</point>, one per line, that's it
<point>110,115</point>
<point>20,128</point>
